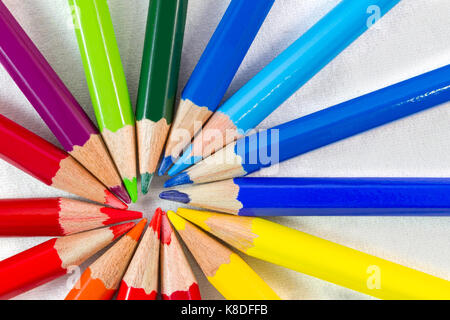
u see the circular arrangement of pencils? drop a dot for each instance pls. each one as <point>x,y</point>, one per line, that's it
<point>208,148</point>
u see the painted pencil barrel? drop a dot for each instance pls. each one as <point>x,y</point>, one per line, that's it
<point>225,52</point>
<point>301,61</point>
<point>161,60</point>
<point>342,265</point>
<point>29,152</point>
<point>41,85</point>
<point>102,63</point>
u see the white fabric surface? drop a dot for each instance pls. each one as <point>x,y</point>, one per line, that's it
<point>413,38</point>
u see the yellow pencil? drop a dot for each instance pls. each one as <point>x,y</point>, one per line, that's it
<point>320,258</point>
<point>226,271</point>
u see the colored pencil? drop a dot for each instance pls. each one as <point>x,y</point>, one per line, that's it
<point>226,271</point>
<point>56,217</point>
<point>49,164</point>
<point>320,258</point>
<point>141,279</point>
<point>177,279</point>
<point>101,279</point>
<point>53,258</point>
<point>288,140</point>
<point>214,72</point>
<point>282,77</point>
<point>158,82</point>
<point>320,196</point>
<point>55,104</point>
<point>107,85</point>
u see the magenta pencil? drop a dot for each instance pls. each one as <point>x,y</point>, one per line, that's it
<point>54,103</point>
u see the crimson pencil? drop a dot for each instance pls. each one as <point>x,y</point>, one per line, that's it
<point>56,217</point>
<point>141,279</point>
<point>55,104</point>
<point>177,279</point>
<point>51,259</point>
<point>49,164</point>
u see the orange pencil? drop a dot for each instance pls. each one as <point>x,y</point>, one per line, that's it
<point>141,279</point>
<point>101,279</point>
<point>177,279</point>
<point>51,259</point>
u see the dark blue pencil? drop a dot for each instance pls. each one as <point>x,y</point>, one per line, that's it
<point>321,128</point>
<point>214,72</point>
<point>320,196</point>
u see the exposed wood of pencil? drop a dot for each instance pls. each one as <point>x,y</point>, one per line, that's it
<point>151,139</point>
<point>141,278</point>
<point>101,279</point>
<point>177,279</point>
<point>219,166</point>
<point>52,259</point>
<point>218,196</point>
<point>56,216</point>
<point>209,142</point>
<point>122,145</point>
<point>95,157</point>
<point>189,119</point>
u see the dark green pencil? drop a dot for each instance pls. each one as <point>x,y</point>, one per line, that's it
<point>158,82</point>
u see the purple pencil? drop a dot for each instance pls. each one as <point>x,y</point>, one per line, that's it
<point>54,103</point>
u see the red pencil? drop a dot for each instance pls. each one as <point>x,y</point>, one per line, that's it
<point>49,164</point>
<point>141,279</point>
<point>56,217</point>
<point>51,259</point>
<point>177,279</point>
<point>101,280</point>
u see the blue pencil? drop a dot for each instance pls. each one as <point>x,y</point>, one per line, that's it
<point>214,72</point>
<point>320,196</point>
<point>283,76</point>
<point>321,128</point>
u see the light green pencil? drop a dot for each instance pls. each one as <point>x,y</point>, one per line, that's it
<point>107,85</point>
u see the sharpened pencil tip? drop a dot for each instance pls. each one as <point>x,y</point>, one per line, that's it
<point>113,201</point>
<point>182,178</point>
<point>120,229</point>
<point>184,162</point>
<point>131,186</point>
<point>137,230</point>
<point>121,193</point>
<point>146,180</point>
<point>165,164</point>
<point>181,165</point>
<point>174,195</point>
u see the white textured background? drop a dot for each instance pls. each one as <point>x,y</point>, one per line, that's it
<point>413,38</point>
